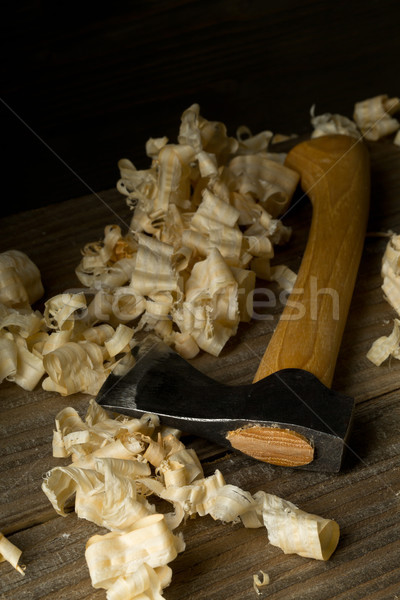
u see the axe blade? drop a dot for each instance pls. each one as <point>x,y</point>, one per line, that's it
<point>289,418</point>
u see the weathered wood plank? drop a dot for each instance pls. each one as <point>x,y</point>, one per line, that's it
<point>56,567</point>
<point>26,430</point>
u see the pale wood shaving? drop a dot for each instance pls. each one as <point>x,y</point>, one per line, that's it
<point>30,368</point>
<point>59,310</point>
<point>249,143</point>
<point>386,346</point>
<point>260,580</point>
<point>389,345</point>
<point>374,116</point>
<point>271,183</point>
<point>11,553</point>
<point>333,124</point>
<point>9,361</point>
<point>285,277</point>
<point>20,281</point>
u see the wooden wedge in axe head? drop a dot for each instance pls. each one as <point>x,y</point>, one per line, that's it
<point>288,416</point>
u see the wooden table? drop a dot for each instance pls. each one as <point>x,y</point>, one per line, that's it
<point>220,559</point>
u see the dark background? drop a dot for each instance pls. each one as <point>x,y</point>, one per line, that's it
<point>95,81</point>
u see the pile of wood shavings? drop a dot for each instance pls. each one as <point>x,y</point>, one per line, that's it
<point>204,226</point>
<point>118,464</point>
<point>205,223</point>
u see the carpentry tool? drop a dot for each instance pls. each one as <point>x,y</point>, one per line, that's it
<point>288,416</point>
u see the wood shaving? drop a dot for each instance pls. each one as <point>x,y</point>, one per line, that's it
<point>260,579</point>
<point>10,553</point>
<point>20,333</point>
<point>20,282</point>
<point>386,346</point>
<point>374,116</point>
<point>333,124</point>
<point>119,463</point>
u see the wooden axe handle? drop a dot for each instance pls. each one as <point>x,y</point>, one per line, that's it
<point>335,174</point>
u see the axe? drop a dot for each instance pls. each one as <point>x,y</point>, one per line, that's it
<point>288,416</point>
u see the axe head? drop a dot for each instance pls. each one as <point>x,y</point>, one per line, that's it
<point>289,418</point>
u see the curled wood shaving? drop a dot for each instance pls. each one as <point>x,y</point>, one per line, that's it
<point>148,543</point>
<point>374,116</point>
<point>285,277</point>
<point>8,349</point>
<point>260,579</point>
<point>327,124</point>
<point>10,553</point>
<point>24,322</point>
<point>295,531</point>
<point>390,272</point>
<point>59,310</point>
<point>267,180</point>
<point>118,464</point>
<point>20,334</point>
<point>249,143</point>
<point>29,368</point>
<point>210,313</point>
<point>20,282</point>
<point>386,346</point>
<point>74,367</point>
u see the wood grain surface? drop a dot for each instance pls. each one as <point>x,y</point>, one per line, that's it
<point>220,559</point>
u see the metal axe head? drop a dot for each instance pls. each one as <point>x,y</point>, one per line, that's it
<point>288,418</point>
